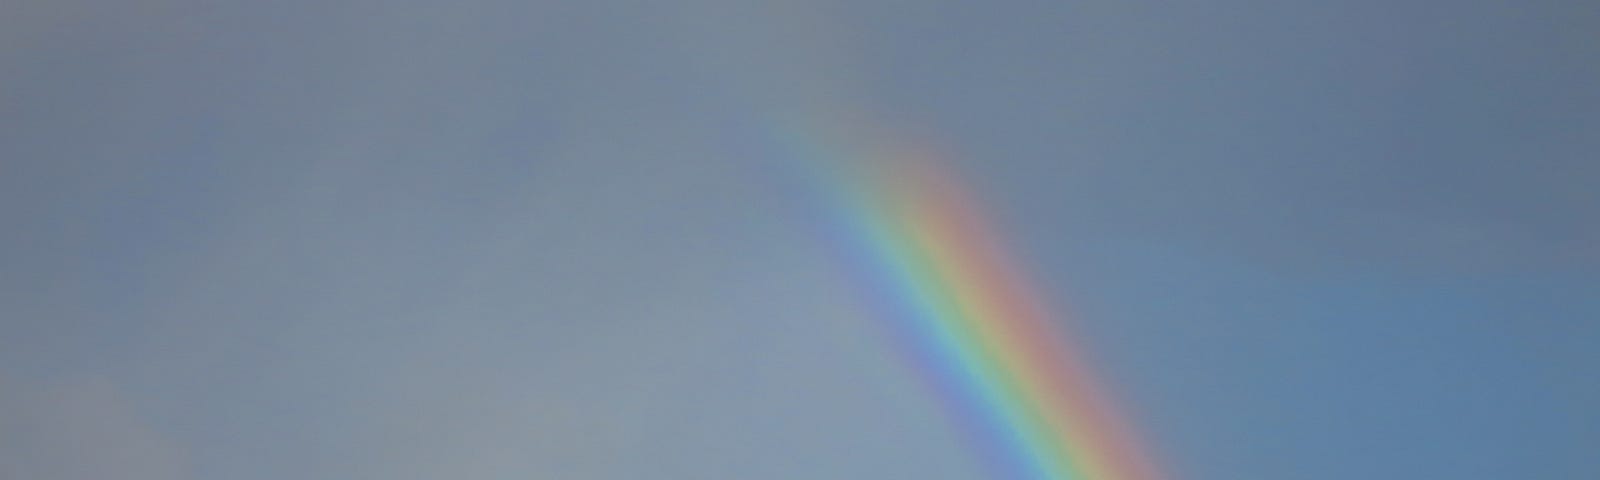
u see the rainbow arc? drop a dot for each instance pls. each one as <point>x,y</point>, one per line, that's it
<point>964,314</point>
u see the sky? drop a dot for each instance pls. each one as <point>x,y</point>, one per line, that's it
<point>494,239</point>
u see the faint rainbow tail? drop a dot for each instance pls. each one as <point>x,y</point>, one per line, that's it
<point>961,309</point>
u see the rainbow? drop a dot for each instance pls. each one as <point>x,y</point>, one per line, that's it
<point>962,312</point>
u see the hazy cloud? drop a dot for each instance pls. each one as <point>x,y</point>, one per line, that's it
<point>80,429</point>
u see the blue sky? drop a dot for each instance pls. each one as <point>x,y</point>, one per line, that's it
<point>511,239</point>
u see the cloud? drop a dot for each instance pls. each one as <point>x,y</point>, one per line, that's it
<point>81,428</point>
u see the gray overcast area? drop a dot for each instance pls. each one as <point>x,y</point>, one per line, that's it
<point>484,240</point>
